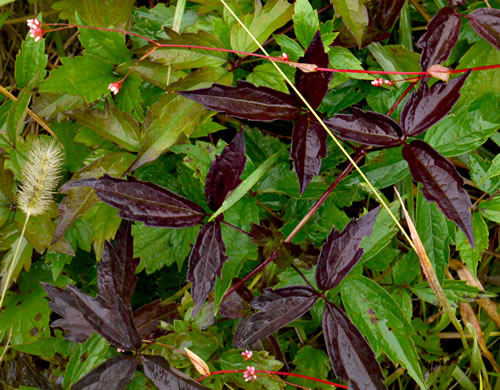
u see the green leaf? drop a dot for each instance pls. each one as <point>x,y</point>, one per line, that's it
<point>395,58</point>
<point>50,105</point>
<point>490,209</point>
<point>266,75</point>
<point>311,362</point>
<point>17,114</point>
<point>456,291</point>
<point>289,46</point>
<point>342,58</point>
<point>262,23</point>
<point>379,318</point>
<point>494,169</point>
<point>30,62</point>
<point>130,99</point>
<point>48,347</point>
<point>97,13</point>
<point>74,152</point>
<point>107,45</point>
<point>354,15</point>
<point>105,222</point>
<point>87,76</point>
<point>305,22</point>
<point>471,257</point>
<point>479,169</point>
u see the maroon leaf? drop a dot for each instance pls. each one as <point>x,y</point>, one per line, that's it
<point>308,146</point>
<point>351,356</point>
<point>246,101</point>
<point>342,251</point>
<point>277,308</point>
<point>427,106</point>
<point>314,85</point>
<point>441,184</point>
<point>366,127</point>
<point>113,374</point>
<point>387,11</point>
<point>441,36</point>
<point>456,3</point>
<point>166,377</point>
<point>486,22</point>
<point>148,317</point>
<point>145,202</point>
<point>205,262</point>
<point>225,171</point>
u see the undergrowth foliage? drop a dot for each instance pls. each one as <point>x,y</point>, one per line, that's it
<point>236,223</point>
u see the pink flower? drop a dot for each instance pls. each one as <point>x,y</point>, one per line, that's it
<point>249,374</point>
<point>377,83</point>
<point>247,355</point>
<point>115,87</point>
<point>36,31</point>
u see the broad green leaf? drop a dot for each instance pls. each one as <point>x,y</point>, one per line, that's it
<point>246,185</point>
<point>110,46</point>
<point>379,318</point>
<point>289,46</point>
<point>342,58</point>
<point>5,2</point>
<point>97,13</point>
<point>130,99</point>
<point>173,118</point>
<point>152,72</point>
<point>87,76</point>
<point>311,362</point>
<point>494,169</point>
<point>266,75</point>
<point>479,169</point>
<point>262,23</point>
<point>395,59</point>
<point>112,124</point>
<point>74,152</point>
<point>469,256</point>
<point>105,222</point>
<point>17,114</point>
<point>31,61</point>
<point>490,209</point>
<point>305,22</point>
<point>48,347</point>
<point>456,291</point>
<point>50,105</point>
<point>354,15</point>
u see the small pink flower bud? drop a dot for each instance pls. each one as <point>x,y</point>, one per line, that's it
<point>284,57</point>
<point>378,82</point>
<point>36,31</point>
<point>115,87</point>
<point>247,355</point>
<point>249,374</point>
<point>388,82</point>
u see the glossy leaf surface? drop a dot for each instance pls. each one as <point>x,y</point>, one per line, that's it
<point>366,127</point>
<point>351,356</point>
<point>277,308</point>
<point>225,171</point>
<point>247,101</point>
<point>441,184</point>
<point>342,251</point>
<point>145,202</point>
<point>440,37</point>
<point>308,147</point>
<point>387,11</point>
<point>205,262</point>
<point>486,22</point>
<point>113,374</point>
<point>148,317</point>
<point>427,106</point>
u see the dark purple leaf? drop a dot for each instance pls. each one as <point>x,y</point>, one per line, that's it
<point>234,307</point>
<point>342,251</point>
<point>205,262</point>
<point>225,171</point>
<point>440,37</point>
<point>456,3</point>
<point>366,127</point>
<point>113,374</point>
<point>308,146</point>
<point>314,85</point>
<point>116,270</point>
<point>441,184</point>
<point>277,308</point>
<point>166,377</point>
<point>486,22</point>
<point>387,11</point>
<point>370,34</point>
<point>246,101</point>
<point>145,202</point>
<point>351,357</point>
<point>148,317</point>
<point>427,106</point>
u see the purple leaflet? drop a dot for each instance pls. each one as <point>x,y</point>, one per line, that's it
<point>441,36</point>
<point>314,85</point>
<point>387,11</point>
<point>166,377</point>
<point>225,171</point>
<point>351,356</point>
<point>486,22</point>
<point>308,146</point>
<point>145,202</point>
<point>147,318</point>
<point>277,308</point>
<point>246,101</point>
<point>205,262</point>
<point>427,106</point>
<point>116,270</point>
<point>342,251</point>
<point>113,374</point>
<point>366,127</point>
<point>441,184</point>
<point>456,3</point>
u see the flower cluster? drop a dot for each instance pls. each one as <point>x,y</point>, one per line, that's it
<point>36,30</point>
<point>250,374</point>
<point>380,81</point>
<point>115,87</point>
<point>247,355</point>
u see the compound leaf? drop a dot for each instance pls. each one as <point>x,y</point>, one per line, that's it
<point>486,22</point>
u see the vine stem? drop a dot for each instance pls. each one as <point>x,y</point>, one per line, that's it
<point>396,104</point>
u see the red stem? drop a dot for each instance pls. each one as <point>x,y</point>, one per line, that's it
<point>396,104</point>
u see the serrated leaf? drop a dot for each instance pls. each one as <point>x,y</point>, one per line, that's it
<point>147,318</point>
<point>342,251</point>
<point>205,262</point>
<point>441,184</point>
<point>145,202</point>
<point>17,114</point>
<point>490,209</point>
<point>247,101</point>
<point>277,308</point>
<point>427,106</point>
<point>104,222</point>
<point>50,105</point>
<point>351,356</point>
<point>30,62</point>
<point>225,171</point>
<point>366,127</point>
<point>486,22</point>
<point>108,45</point>
<point>305,22</point>
<point>354,15</point>
<point>440,37</point>
<point>472,255</point>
